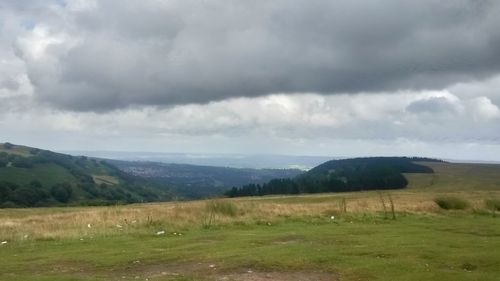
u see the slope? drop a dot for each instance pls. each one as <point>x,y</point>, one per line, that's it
<point>357,174</point>
<point>36,177</point>
<point>457,177</point>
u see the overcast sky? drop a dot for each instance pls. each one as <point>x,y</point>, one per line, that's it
<point>309,77</point>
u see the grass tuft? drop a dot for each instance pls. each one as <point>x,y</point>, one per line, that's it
<point>451,203</point>
<point>222,207</point>
<point>218,207</point>
<point>492,204</point>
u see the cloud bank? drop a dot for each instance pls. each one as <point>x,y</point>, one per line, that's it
<point>105,55</point>
<point>347,78</point>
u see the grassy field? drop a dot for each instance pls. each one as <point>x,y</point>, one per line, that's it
<point>315,237</point>
<point>48,174</point>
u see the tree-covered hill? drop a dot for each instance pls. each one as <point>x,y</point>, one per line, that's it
<point>357,174</point>
<point>35,177</point>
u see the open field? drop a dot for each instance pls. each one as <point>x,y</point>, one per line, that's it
<point>267,238</point>
<point>48,174</point>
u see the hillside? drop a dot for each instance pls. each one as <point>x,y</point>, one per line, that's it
<point>457,177</point>
<point>35,177</point>
<point>357,174</point>
<point>322,237</point>
<point>195,181</point>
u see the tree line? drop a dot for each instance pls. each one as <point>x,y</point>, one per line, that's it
<point>347,175</point>
<point>35,194</point>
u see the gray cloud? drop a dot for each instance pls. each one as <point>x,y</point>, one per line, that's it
<point>434,105</point>
<point>9,84</point>
<point>104,55</point>
<point>218,76</point>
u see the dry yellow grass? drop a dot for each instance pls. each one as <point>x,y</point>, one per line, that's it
<point>100,179</point>
<point>47,223</point>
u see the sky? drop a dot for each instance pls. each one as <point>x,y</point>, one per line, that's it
<point>298,77</point>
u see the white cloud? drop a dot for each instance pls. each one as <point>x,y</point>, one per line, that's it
<point>482,108</point>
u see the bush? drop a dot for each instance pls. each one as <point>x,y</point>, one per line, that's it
<point>451,203</point>
<point>61,192</point>
<point>25,197</point>
<point>493,204</point>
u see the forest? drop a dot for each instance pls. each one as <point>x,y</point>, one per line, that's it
<point>357,174</point>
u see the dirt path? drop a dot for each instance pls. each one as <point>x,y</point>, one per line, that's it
<point>211,272</point>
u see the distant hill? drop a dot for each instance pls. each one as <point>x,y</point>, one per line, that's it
<point>36,177</point>
<point>195,181</point>
<point>357,174</point>
<point>258,161</point>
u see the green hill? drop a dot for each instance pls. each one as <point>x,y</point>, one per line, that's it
<point>357,174</point>
<point>457,177</point>
<point>35,177</point>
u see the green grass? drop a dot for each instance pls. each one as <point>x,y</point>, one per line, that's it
<point>48,174</point>
<point>457,176</point>
<point>493,204</point>
<point>356,248</point>
<point>361,247</point>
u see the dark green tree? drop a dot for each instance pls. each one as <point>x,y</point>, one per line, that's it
<point>61,192</point>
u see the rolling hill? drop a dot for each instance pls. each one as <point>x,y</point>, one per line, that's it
<point>456,177</point>
<point>36,177</point>
<point>357,174</point>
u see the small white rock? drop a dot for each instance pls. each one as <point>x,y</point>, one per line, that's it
<point>119,226</point>
<point>3,243</point>
<point>160,232</point>
<point>332,217</point>
<point>89,226</point>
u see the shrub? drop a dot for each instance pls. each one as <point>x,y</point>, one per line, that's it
<point>61,192</point>
<point>25,197</point>
<point>493,204</point>
<point>451,203</point>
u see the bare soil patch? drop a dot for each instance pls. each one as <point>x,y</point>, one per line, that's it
<point>211,272</point>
